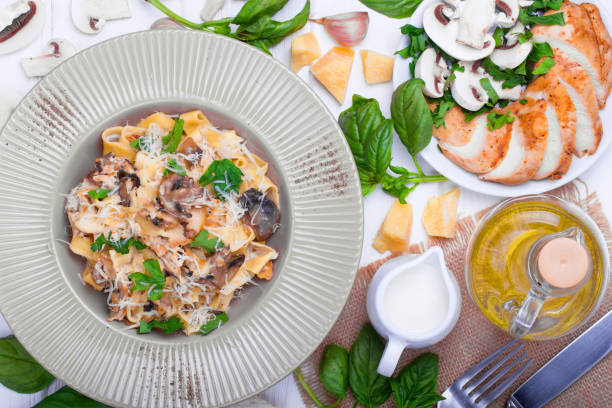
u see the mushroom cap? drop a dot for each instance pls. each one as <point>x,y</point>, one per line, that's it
<point>466,89</point>
<point>59,51</point>
<point>511,57</point>
<point>26,34</point>
<point>89,16</point>
<point>509,12</point>
<point>433,70</point>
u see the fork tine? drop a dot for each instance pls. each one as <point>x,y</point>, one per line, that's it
<point>503,386</point>
<point>505,370</point>
<point>483,376</point>
<point>467,376</point>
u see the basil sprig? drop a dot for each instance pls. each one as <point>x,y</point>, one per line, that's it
<point>19,371</point>
<point>416,385</point>
<point>393,8</point>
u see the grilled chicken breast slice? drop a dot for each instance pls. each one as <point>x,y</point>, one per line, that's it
<point>603,39</point>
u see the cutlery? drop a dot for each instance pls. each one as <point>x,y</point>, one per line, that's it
<point>480,386</point>
<point>566,367</point>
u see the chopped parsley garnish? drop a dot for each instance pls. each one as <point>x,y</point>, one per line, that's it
<point>523,101</point>
<point>172,139</point>
<point>470,115</point>
<point>545,66</point>
<point>418,41</point>
<point>524,37</point>
<point>169,326</point>
<point>497,120</point>
<point>224,176</point>
<point>98,193</point>
<point>543,5</point>
<point>214,324</point>
<point>498,35</point>
<point>121,245</point>
<point>439,113</point>
<point>173,166</point>
<point>153,283</point>
<point>540,50</point>
<point>136,144</point>
<point>488,87</point>
<point>203,240</point>
<point>548,20</point>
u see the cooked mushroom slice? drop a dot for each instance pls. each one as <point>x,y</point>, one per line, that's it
<point>110,171</point>
<point>103,272</point>
<point>59,51</point>
<point>512,53</point>
<point>431,68</point>
<point>211,8</point>
<point>224,266</point>
<point>89,16</point>
<point>20,23</point>
<point>443,30</point>
<point>262,214</point>
<point>508,12</point>
<point>190,151</point>
<point>178,193</point>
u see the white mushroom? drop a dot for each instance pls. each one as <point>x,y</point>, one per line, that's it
<point>476,18</point>
<point>89,16</point>
<point>432,69</point>
<point>211,8</point>
<point>508,12</point>
<point>526,3</point>
<point>512,53</point>
<point>59,51</point>
<point>20,23</point>
<point>443,30</point>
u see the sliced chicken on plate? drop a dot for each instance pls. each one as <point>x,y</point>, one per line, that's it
<point>527,145</point>
<point>604,40</point>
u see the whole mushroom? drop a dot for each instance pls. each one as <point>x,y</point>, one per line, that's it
<point>431,68</point>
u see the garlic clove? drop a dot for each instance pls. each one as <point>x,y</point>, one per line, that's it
<point>348,29</point>
<point>59,51</point>
<point>20,23</point>
<point>211,8</point>
<point>166,23</point>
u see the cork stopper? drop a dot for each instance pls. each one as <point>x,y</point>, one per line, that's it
<point>563,263</point>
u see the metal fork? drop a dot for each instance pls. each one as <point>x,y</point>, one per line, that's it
<point>480,385</point>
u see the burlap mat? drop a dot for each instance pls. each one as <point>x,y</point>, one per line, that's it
<point>474,337</point>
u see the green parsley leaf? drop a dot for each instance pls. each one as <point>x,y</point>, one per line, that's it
<point>544,5</point>
<point>211,245</point>
<point>122,246</point>
<point>214,324</point>
<point>488,87</point>
<point>540,50</point>
<point>525,37</point>
<point>548,20</point>
<point>169,326</point>
<point>135,144</point>
<point>497,120</point>
<point>523,101</point>
<point>98,194</point>
<point>509,77</point>
<point>172,139</point>
<point>498,35</point>
<point>173,166</point>
<point>98,244</point>
<point>439,113</point>
<point>153,283</point>
<point>418,41</point>
<point>470,115</point>
<point>224,176</point>
<point>545,66</point>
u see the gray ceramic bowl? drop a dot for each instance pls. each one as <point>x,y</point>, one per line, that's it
<point>49,144</point>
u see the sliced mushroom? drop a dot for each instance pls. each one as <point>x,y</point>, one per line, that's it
<point>190,151</point>
<point>20,23</point>
<point>476,18</point>
<point>508,12</point>
<point>443,30</point>
<point>111,170</point>
<point>526,3</point>
<point>59,51</point>
<point>89,16</point>
<point>512,53</point>
<point>211,8</point>
<point>178,193</point>
<point>432,69</point>
<point>224,266</point>
<point>262,214</point>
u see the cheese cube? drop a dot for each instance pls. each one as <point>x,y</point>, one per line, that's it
<point>440,215</point>
<point>377,67</point>
<point>394,233</point>
<point>333,70</point>
<point>304,49</point>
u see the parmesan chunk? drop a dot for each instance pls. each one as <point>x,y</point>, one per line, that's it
<point>440,215</point>
<point>304,49</point>
<point>377,67</point>
<point>333,71</point>
<point>394,233</point>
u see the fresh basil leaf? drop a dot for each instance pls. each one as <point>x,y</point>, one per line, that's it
<point>153,283</point>
<point>254,9</point>
<point>393,8</point>
<point>379,149</point>
<point>548,20</point>
<point>19,371</point>
<point>136,144</point>
<point>224,176</point>
<point>334,370</point>
<point>497,120</point>
<point>265,32</point>
<point>416,384</point>
<point>214,324</point>
<point>488,87</point>
<point>172,139</point>
<point>411,116</point>
<point>66,397</point>
<point>169,326</point>
<point>98,194</point>
<point>173,166</point>
<point>545,66</point>
<point>202,240</point>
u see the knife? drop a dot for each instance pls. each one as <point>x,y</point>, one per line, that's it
<point>566,367</point>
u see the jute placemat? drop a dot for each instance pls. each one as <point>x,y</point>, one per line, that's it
<point>474,337</point>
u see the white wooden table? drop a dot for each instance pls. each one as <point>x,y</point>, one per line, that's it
<point>383,37</point>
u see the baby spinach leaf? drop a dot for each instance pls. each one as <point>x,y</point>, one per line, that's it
<point>98,193</point>
<point>19,371</point>
<point>153,283</point>
<point>173,166</point>
<point>214,324</point>
<point>169,326</point>
<point>224,176</point>
<point>416,384</point>
<point>66,397</point>
<point>368,387</point>
<point>334,369</point>
<point>202,240</point>
<point>411,116</point>
<point>393,8</point>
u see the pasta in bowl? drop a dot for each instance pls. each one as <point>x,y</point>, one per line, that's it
<point>173,222</point>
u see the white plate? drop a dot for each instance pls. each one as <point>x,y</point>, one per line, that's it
<point>444,166</point>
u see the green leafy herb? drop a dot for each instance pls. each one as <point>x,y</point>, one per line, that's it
<point>214,324</point>
<point>411,117</point>
<point>545,66</point>
<point>524,37</point>
<point>418,41</point>
<point>488,87</point>
<point>523,101</point>
<point>540,50</point>
<point>173,138</point>
<point>509,77</point>
<point>99,243</point>
<point>202,240</point>
<point>544,5</point>
<point>224,176</point>
<point>169,326</point>
<point>173,166</point>
<point>471,115</point>
<point>498,36</point>
<point>439,113</point>
<point>98,193</point>
<point>252,10</point>
<point>121,245</point>
<point>497,120</point>
<point>417,383</point>
<point>66,397</point>
<point>334,370</point>
<point>368,387</point>
<point>393,8</point>
<point>548,20</point>
<point>19,371</point>
<point>153,283</point>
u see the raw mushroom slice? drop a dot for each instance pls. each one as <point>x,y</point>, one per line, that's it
<point>578,41</point>
<point>527,145</point>
<point>20,23</point>
<point>89,16</point>
<point>443,30</point>
<point>59,51</point>
<point>471,145</point>
<point>211,8</point>
<point>431,68</point>
<point>512,54</point>
<point>603,39</point>
<point>476,18</point>
<point>508,12</point>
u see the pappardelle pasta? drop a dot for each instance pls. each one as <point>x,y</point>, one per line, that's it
<point>173,222</point>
